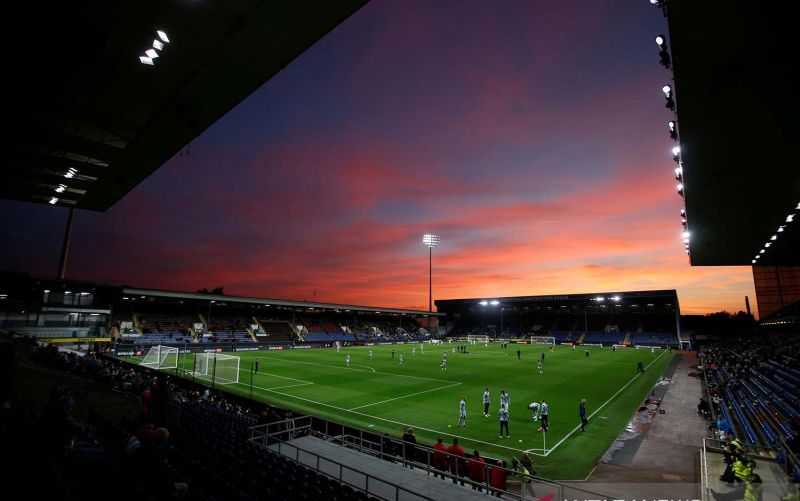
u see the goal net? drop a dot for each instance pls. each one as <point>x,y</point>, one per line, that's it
<point>477,339</point>
<point>217,368</point>
<point>161,357</point>
<point>543,340</point>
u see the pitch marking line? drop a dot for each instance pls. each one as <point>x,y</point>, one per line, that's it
<point>405,396</point>
<point>391,420</point>
<point>329,366</point>
<point>578,427</point>
<point>288,386</point>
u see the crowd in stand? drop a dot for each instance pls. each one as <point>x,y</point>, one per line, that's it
<point>184,444</point>
<point>753,392</point>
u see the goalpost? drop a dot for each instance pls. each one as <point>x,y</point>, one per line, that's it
<point>161,357</point>
<point>477,339</point>
<point>217,367</point>
<point>543,340</point>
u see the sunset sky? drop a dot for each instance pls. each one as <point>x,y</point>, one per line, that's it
<point>529,135</point>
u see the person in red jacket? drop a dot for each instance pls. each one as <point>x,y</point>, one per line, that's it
<point>477,471</point>
<point>439,459</point>
<point>498,477</point>
<point>457,464</point>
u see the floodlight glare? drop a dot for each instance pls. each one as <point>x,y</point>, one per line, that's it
<point>774,237</point>
<point>599,299</point>
<point>53,201</point>
<point>60,188</point>
<point>780,228</point>
<point>494,302</point>
<point>790,218</point>
<point>678,172</point>
<point>683,212</point>
<point>163,36</point>
<point>430,240</point>
<point>676,150</point>
<point>484,303</point>
<point>151,53</point>
<point>753,261</point>
<point>761,251</point>
<point>686,234</point>
<point>146,60</point>
<point>768,245</point>
<point>615,298</point>
<point>660,40</point>
<point>679,187</point>
<point>158,44</point>
<point>667,90</point>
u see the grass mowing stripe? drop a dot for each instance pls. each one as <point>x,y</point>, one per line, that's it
<point>578,427</point>
<point>388,420</point>
<point>406,396</point>
<point>330,366</point>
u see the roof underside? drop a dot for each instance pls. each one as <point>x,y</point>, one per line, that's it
<point>623,296</point>
<point>736,81</point>
<point>81,99</point>
<point>307,305</point>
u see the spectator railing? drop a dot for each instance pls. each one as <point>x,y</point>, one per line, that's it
<point>455,467</point>
<point>273,441</point>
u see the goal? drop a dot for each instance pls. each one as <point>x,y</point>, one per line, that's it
<point>477,339</point>
<point>543,340</point>
<point>217,368</point>
<point>161,357</point>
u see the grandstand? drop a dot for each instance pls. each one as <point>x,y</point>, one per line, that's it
<point>650,318</point>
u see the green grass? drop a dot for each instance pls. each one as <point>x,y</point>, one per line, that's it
<point>380,395</point>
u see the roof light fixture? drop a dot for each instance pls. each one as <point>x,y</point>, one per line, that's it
<point>151,53</point>
<point>163,36</point>
<point>53,200</point>
<point>158,44</point>
<point>60,188</point>
<point>146,60</point>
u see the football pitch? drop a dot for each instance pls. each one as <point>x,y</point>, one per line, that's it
<point>381,395</point>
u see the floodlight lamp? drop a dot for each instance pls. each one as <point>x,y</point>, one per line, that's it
<point>146,60</point>
<point>660,40</point>
<point>780,228</point>
<point>768,245</point>
<point>60,188</point>
<point>615,298</point>
<point>686,234</point>
<point>761,251</point>
<point>790,218</point>
<point>774,237</point>
<point>163,36</point>
<point>678,172</point>
<point>484,303</point>
<point>53,200</point>
<point>151,53</point>
<point>599,299</point>
<point>430,240</point>
<point>753,261</point>
<point>679,187</point>
<point>676,151</point>
<point>158,44</point>
<point>494,302</point>
<point>671,125</point>
<point>667,90</point>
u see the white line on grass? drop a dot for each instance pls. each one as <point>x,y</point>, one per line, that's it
<point>391,420</point>
<point>288,386</point>
<point>578,427</point>
<point>406,396</point>
<point>359,370</point>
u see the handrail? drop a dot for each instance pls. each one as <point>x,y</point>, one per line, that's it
<point>342,467</point>
<point>312,424</point>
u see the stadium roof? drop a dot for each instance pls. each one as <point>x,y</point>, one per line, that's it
<point>81,98</point>
<point>736,81</point>
<point>616,298</point>
<point>307,305</point>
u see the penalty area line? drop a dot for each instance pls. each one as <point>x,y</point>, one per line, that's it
<point>405,396</point>
<point>400,423</point>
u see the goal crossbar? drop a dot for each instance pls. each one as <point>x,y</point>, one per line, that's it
<point>543,340</point>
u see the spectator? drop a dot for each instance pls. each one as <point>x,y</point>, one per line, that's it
<point>457,464</point>
<point>439,459</point>
<point>498,478</point>
<point>409,447</point>
<point>477,471</point>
